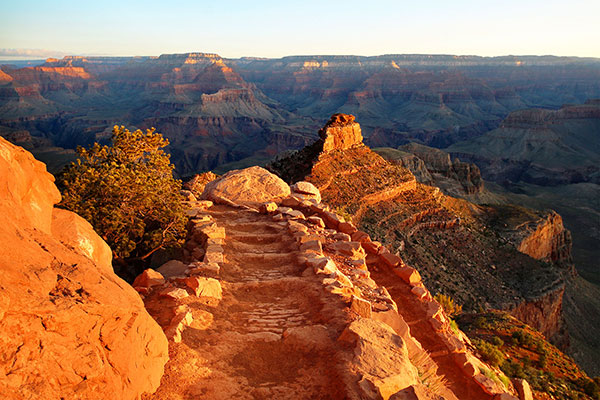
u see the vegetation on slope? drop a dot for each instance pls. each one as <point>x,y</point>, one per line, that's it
<point>522,352</point>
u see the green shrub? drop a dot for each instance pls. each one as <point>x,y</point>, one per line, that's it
<point>496,341</point>
<point>490,353</point>
<point>128,193</point>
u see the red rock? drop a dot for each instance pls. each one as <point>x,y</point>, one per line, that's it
<point>68,328</point>
<point>174,293</point>
<point>306,190</point>
<point>391,260</point>
<point>149,278</point>
<point>340,133</point>
<point>347,227</point>
<point>172,268</point>
<point>267,208</point>
<point>313,246</point>
<point>316,221</point>
<point>408,275</point>
<point>348,249</point>
<point>360,236</point>
<point>205,287</point>
<point>361,307</point>
<point>371,247</point>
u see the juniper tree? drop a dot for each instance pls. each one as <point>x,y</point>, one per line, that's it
<point>127,192</point>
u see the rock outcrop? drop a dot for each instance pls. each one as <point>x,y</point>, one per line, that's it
<point>69,327</point>
<point>198,182</point>
<point>340,133</point>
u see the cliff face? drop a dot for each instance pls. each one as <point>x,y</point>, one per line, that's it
<point>452,242</point>
<point>69,327</point>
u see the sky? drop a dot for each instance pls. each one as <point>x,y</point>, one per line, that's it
<point>39,29</point>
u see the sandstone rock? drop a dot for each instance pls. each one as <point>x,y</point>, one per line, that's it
<point>174,293</point>
<point>172,268</point>
<point>391,260</point>
<point>27,186</point>
<point>291,201</point>
<point>149,278</point>
<point>340,133</point>
<point>416,392</point>
<point>332,220</point>
<point>74,231</point>
<point>523,389</point>
<point>205,287</point>
<point>347,249</point>
<point>380,356</point>
<point>183,317</point>
<point>408,275</point>
<point>267,208</point>
<point>361,306</point>
<point>250,186</point>
<point>347,228</point>
<point>360,236</point>
<point>68,327</point>
<point>341,236</point>
<point>371,247</point>
<point>306,190</point>
<point>318,221</point>
<point>419,291</point>
<point>187,195</point>
<point>312,245</point>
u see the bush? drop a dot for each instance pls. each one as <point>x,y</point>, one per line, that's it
<point>128,193</point>
<point>490,353</point>
<point>496,341</point>
<point>448,304</point>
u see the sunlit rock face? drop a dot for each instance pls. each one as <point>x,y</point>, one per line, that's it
<point>69,327</point>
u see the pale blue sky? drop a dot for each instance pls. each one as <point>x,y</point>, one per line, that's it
<point>279,28</point>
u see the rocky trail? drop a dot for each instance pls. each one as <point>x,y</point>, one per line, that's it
<point>236,347</point>
<point>287,300</point>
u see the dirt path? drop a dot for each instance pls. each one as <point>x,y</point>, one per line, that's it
<point>235,350</point>
<point>415,316</point>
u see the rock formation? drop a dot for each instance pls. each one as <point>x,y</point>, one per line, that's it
<point>457,247</point>
<point>340,133</point>
<point>69,327</point>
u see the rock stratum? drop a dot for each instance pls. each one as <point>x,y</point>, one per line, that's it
<point>69,327</point>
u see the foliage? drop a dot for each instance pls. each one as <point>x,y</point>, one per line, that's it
<point>489,353</point>
<point>448,304</point>
<point>128,193</point>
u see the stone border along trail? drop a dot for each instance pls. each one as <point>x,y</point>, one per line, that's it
<point>235,350</point>
<point>294,313</point>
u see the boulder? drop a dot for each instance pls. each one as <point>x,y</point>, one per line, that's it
<point>306,190</point>
<point>198,182</point>
<point>149,278</point>
<point>250,186</point>
<point>69,328</point>
<point>205,287</point>
<point>381,357</point>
